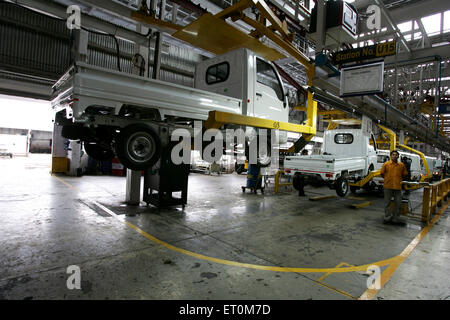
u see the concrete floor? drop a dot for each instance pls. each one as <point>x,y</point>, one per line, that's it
<point>49,223</point>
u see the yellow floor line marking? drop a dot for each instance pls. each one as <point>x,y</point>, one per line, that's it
<point>338,266</point>
<point>369,294</point>
<point>336,290</point>
<point>320,281</point>
<point>322,197</point>
<point>355,198</point>
<point>63,182</point>
<point>361,205</point>
<point>381,263</point>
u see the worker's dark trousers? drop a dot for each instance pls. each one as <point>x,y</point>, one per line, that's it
<point>388,194</point>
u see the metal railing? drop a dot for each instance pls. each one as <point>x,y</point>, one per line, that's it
<point>434,195</point>
<point>279,184</point>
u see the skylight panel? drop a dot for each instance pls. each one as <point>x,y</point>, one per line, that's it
<point>432,24</point>
<point>405,26</point>
<point>446,21</point>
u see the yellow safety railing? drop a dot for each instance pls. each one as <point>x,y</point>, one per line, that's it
<point>434,195</point>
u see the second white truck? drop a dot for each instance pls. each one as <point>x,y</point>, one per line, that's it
<point>347,155</point>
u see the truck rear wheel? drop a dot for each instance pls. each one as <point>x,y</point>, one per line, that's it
<point>138,147</point>
<point>341,185</point>
<point>297,182</point>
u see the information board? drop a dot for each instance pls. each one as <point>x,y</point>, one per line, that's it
<point>362,79</point>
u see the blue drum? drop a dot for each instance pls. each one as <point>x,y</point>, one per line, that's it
<point>254,178</point>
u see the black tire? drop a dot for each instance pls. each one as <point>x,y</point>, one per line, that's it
<point>297,182</point>
<point>138,147</point>
<point>341,186</point>
<point>98,152</point>
<point>240,168</point>
<point>354,189</point>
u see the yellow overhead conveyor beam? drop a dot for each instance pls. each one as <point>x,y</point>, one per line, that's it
<point>217,119</point>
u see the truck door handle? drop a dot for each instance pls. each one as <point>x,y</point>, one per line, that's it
<point>259,94</point>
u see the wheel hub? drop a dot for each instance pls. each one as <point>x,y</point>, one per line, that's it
<point>141,147</point>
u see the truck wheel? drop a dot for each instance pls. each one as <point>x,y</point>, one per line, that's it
<point>98,152</point>
<point>353,189</point>
<point>297,182</point>
<point>341,185</point>
<point>138,147</point>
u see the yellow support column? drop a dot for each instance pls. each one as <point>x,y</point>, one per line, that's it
<point>440,194</point>
<point>277,181</point>
<point>332,125</point>
<point>433,199</point>
<point>426,204</point>
<point>392,137</point>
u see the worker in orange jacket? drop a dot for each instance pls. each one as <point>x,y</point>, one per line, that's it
<point>393,172</point>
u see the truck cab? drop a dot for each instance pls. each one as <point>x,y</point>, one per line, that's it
<point>351,143</point>
<point>244,75</point>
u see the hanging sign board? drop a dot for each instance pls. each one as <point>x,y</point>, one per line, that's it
<point>362,79</point>
<point>378,50</point>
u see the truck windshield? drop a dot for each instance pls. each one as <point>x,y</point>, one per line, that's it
<point>265,74</point>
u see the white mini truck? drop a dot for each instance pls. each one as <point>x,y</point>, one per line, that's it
<point>130,116</point>
<point>347,155</point>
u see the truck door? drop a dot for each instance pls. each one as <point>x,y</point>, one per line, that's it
<point>372,153</point>
<point>269,94</point>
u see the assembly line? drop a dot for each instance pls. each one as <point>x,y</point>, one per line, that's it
<point>226,150</point>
